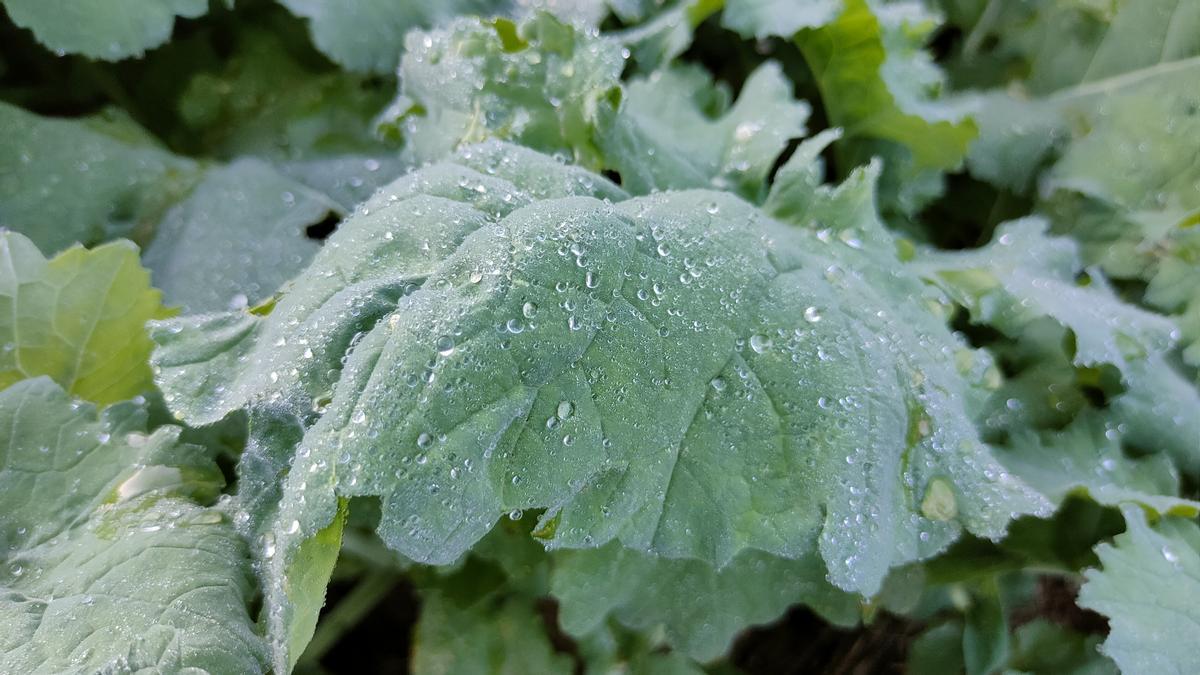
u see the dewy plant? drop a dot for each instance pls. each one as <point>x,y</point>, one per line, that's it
<point>600,336</point>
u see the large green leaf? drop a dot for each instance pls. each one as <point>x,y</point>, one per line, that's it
<point>85,181</point>
<point>79,318</point>
<point>109,565</point>
<point>632,367</point>
<point>236,238</point>
<point>112,31</point>
<point>1149,588</point>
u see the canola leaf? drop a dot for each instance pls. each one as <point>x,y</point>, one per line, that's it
<point>370,35</point>
<point>492,634</point>
<point>509,347</point>
<point>1023,275</point>
<point>84,181</point>
<point>538,83</point>
<point>877,83</point>
<point>646,593</point>
<point>554,88</point>
<point>612,650</point>
<point>1086,457</point>
<point>117,30</point>
<point>660,39</point>
<point>79,318</point>
<point>938,650</point>
<point>985,641</point>
<point>1110,98</point>
<point>655,143</point>
<point>1160,410</point>
<point>1042,647</point>
<point>765,18</point>
<point>1147,587</point>
<point>109,565</point>
<point>236,238</point>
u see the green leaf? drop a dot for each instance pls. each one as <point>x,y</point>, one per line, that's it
<point>765,18</point>
<point>1086,457</point>
<point>1044,647</point>
<point>313,124</point>
<point>506,341</point>
<point>1113,93</point>
<point>985,641</point>
<point>114,31</point>
<point>488,635</point>
<point>1148,589</point>
<point>875,81</point>
<point>370,35</point>
<point>79,318</point>
<point>109,563</point>
<point>85,181</point>
<point>236,238</point>
<point>675,129</point>
<point>539,84</point>
<point>1023,276</point>
<point>648,593</point>
<point>558,90</point>
<point>937,651</point>
<point>1160,410</point>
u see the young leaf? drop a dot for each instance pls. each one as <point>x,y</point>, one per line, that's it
<point>109,563</point>
<point>878,84</point>
<point>79,318</point>
<point>655,143</point>
<point>1148,589</point>
<point>558,90</point>
<point>117,30</point>
<point>508,347</point>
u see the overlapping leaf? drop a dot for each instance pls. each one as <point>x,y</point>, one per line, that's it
<point>109,563</point>
<point>1148,589</point>
<point>554,88</point>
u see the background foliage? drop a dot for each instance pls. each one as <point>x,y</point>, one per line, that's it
<point>600,336</point>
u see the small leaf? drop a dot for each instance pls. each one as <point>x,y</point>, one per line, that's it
<point>79,318</point>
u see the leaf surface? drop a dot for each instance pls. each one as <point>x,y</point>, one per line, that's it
<point>509,352</point>
<point>79,318</point>
<point>114,31</point>
<point>108,562</point>
<point>1147,587</point>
